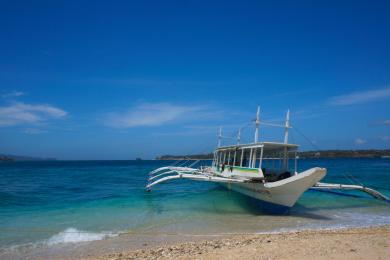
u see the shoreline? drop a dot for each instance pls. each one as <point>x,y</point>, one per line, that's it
<point>370,242</point>
<point>340,243</point>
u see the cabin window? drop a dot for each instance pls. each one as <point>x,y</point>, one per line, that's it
<point>279,163</point>
<point>246,159</point>
<point>220,159</point>
<point>238,157</point>
<point>256,158</point>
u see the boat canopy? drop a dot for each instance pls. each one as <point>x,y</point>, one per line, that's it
<point>267,146</point>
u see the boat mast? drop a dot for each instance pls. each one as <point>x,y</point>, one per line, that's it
<point>257,124</point>
<point>287,126</point>
<point>239,136</point>
<point>220,136</point>
<point>217,155</point>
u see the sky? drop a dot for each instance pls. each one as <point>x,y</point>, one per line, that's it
<point>127,79</point>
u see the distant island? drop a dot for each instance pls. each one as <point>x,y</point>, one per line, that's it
<point>373,153</point>
<point>11,158</point>
<point>5,158</point>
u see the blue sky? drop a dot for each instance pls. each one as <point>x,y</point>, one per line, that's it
<point>130,79</point>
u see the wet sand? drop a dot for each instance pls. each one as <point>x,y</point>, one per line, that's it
<point>354,243</point>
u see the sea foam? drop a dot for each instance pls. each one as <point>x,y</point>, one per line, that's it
<point>73,235</point>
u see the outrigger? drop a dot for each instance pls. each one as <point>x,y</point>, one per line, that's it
<point>266,171</point>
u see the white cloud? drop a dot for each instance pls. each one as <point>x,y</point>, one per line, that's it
<point>360,141</point>
<point>13,94</point>
<point>155,114</point>
<point>384,122</point>
<point>156,82</point>
<point>21,113</point>
<point>33,131</point>
<point>360,97</point>
<point>385,138</point>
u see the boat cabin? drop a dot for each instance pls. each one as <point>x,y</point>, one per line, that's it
<point>266,161</point>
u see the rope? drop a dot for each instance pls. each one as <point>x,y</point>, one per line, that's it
<point>381,188</point>
<point>353,178</point>
<point>307,139</point>
<point>176,162</point>
<point>192,164</point>
<point>348,176</point>
<point>348,179</point>
<point>233,135</point>
<point>182,164</point>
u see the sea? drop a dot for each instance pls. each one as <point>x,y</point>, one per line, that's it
<point>56,207</point>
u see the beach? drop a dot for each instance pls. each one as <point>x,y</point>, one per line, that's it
<point>353,243</point>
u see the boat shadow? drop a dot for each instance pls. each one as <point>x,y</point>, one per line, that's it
<point>239,203</point>
<point>257,207</point>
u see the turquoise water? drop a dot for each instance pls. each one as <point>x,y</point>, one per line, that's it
<point>58,202</point>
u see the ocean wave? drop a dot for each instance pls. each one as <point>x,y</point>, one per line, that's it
<point>73,235</point>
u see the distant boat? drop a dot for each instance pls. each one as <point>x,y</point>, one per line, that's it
<point>385,156</point>
<point>266,171</point>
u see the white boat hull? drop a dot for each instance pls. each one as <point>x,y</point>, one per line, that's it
<point>284,192</point>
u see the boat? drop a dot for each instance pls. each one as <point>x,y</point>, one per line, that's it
<point>265,171</point>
